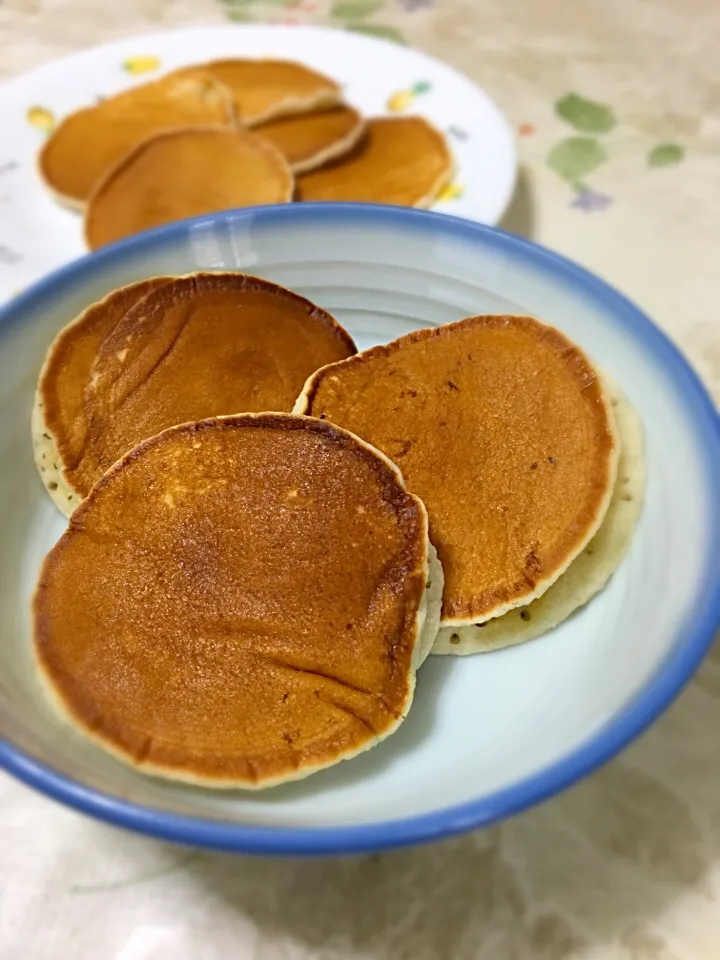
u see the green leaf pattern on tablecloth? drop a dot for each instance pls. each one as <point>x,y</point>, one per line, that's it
<point>575,157</point>
<point>585,115</point>
<point>355,15</point>
<point>376,30</point>
<point>355,9</point>
<point>665,155</point>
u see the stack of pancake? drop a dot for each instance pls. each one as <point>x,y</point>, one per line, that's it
<point>243,597</point>
<point>233,133</point>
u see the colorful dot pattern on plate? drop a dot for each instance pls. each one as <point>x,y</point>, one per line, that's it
<point>137,66</point>
<point>41,118</point>
<point>580,112</point>
<point>402,82</point>
<point>404,99</point>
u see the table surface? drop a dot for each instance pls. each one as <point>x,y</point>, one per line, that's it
<point>625,865</point>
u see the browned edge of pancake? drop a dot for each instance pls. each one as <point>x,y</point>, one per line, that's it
<point>242,281</point>
<point>589,572</point>
<point>561,344</point>
<point>77,204</point>
<point>47,443</point>
<point>448,173</point>
<point>291,104</point>
<point>422,202</point>
<point>333,151</point>
<point>421,576</point>
<point>234,280</point>
<point>129,158</point>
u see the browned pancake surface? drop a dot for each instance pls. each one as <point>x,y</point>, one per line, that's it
<point>200,346</point>
<point>308,140</point>
<point>88,143</point>
<point>501,426</point>
<point>185,173</point>
<point>399,160</point>
<point>262,89</point>
<point>237,601</point>
<point>66,374</point>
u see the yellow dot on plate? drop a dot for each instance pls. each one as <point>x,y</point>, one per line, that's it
<point>452,191</point>
<point>400,101</point>
<point>41,118</point>
<point>137,65</point>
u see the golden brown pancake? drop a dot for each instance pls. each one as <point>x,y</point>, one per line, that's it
<point>238,602</point>
<point>264,89</point>
<point>309,140</point>
<point>503,428</point>
<point>203,345</point>
<point>60,423</point>
<point>590,570</point>
<point>400,160</point>
<point>88,143</point>
<point>185,173</point>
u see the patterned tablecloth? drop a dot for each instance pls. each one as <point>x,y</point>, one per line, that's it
<point>616,109</point>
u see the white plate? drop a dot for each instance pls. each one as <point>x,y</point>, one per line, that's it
<point>487,735</point>
<point>37,235</point>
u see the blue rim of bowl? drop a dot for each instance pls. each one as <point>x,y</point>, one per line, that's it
<point>671,677</point>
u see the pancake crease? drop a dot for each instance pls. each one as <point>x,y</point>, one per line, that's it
<point>239,602</point>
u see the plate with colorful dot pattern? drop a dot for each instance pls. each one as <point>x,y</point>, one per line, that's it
<point>378,77</point>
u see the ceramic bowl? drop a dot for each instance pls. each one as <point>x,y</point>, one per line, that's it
<point>487,735</point>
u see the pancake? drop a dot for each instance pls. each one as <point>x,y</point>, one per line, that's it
<point>89,142</point>
<point>239,602</point>
<point>503,428</point>
<point>309,140</point>
<point>400,160</point>
<point>185,173</point>
<point>265,89</point>
<point>208,344</point>
<point>60,425</point>
<point>590,570</point>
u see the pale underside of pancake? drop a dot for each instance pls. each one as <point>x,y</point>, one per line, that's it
<point>266,89</point>
<point>59,423</point>
<point>432,608</point>
<point>184,173</point>
<point>203,345</point>
<point>49,464</point>
<point>309,140</point>
<point>588,573</point>
<point>129,654</point>
<point>89,142</point>
<point>399,160</point>
<point>516,463</point>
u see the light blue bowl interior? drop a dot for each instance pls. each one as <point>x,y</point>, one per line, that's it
<point>488,735</point>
